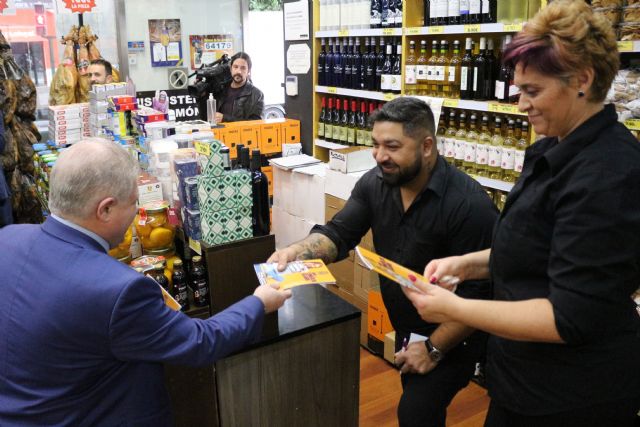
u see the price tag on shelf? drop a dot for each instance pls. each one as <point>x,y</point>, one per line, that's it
<point>414,31</point>
<point>507,109</point>
<point>625,46</point>
<point>633,124</point>
<point>512,28</point>
<point>343,33</point>
<point>202,148</point>
<point>332,89</point>
<point>195,245</point>
<point>436,30</point>
<point>389,96</point>
<point>473,28</point>
<point>451,103</point>
<point>388,31</point>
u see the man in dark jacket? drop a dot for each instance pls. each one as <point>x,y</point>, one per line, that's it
<point>241,100</point>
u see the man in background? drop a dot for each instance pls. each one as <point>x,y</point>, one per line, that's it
<point>241,100</point>
<point>100,72</point>
<point>82,336</point>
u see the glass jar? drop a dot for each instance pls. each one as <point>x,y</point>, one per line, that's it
<point>122,250</point>
<point>153,227</point>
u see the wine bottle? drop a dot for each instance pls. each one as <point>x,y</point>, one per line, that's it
<point>323,112</point>
<point>376,14</point>
<point>431,70</point>
<point>461,141</point>
<point>442,77</point>
<point>179,289</point>
<point>507,162</point>
<point>440,133</point>
<point>410,81</point>
<point>454,71</point>
<point>480,71</point>
<point>396,70</point>
<point>521,146</point>
<point>490,73</point>
<point>328,122</point>
<point>449,142</point>
<point>371,66</point>
<point>466,72</point>
<point>426,13</point>
<point>475,12</point>
<point>464,12</point>
<point>399,14</point>
<point>482,148</point>
<point>367,139</point>
<point>336,122</point>
<point>385,14</point>
<point>337,64</point>
<point>199,283</point>
<point>351,130</point>
<point>470,147</point>
<point>453,12</point>
<point>260,193</point>
<point>380,60</point>
<point>361,126</point>
<point>344,122</point>
<point>347,63</point>
<point>322,58</point>
<point>364,63</point>
<point>495,151</point>
<point>356,66</point>
<point>328,65</point>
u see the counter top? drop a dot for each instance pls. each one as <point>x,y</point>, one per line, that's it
<point>310,307</point>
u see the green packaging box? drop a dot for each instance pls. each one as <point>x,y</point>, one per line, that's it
<point>227,191</point>
<point>226,225</point>
<point>209,157</point>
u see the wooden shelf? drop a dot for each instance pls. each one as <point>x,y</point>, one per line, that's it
<point>361,32</point>
<point>494,183</point>
<point>328,145</point>
<point>463,29</point>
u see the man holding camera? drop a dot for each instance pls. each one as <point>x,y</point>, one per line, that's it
<point>240,100</point>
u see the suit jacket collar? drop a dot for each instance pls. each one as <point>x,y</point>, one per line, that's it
<point>68,234</point>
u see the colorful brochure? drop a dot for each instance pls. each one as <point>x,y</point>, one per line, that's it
<point>390,269</point>
<point>297,273</point>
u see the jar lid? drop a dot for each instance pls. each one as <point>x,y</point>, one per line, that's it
<point>155,207</point>
<point>146,261</point>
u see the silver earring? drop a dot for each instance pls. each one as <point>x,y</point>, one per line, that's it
<point>580,94</point>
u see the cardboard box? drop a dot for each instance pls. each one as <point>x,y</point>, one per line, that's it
<point>149,190</point>
<point>378,318</point>
<point>390,347</point>
<point>232,139</point>
<point>290,131</point>
<point>270,138</point>
<point>332,205</point>
<point>340,184</point>
<point>268,171</point>
<point>250,136</point>
<point>364,280</point>
<point>308,193</point>
<point>343,272</point>
<point>226,226</point>
<point>288,228</point>
<point>351,159</point>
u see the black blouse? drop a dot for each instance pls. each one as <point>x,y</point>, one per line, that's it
<point>570,232</point>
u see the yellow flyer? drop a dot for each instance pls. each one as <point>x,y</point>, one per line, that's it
<point>390,269</point>
<point>297,273</point>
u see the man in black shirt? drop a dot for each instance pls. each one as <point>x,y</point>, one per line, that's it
<point>419,207</point>
<point>241,100</point>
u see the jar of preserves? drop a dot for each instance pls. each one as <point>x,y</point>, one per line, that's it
<point>122,250</point>
<point>152,226</point>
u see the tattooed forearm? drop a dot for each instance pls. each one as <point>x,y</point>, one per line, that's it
<point>317,246</point>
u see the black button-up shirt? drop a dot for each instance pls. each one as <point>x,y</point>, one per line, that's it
<point>570,232</point>
<point>452,215</point>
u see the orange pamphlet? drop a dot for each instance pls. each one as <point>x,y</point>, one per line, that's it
<point>169,301</point>
<point>390,269</point>
<point>297,273</point>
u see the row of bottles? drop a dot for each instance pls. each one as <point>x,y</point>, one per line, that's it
<point>345,66</point>
<point>498,197</point>
<point>360,14</point>
<point>181,282</point>
<point>448,73</point>
<point>345,121</point>
<point>483,146</point>
<point>457,12</point>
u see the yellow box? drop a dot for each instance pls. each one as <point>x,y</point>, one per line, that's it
<point>250,136</point>
<point>290,131</point>
<point>231,139</point>
<point>378,318</point>
<point>270,138</point>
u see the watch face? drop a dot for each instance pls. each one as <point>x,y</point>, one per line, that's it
<point>435,355</point>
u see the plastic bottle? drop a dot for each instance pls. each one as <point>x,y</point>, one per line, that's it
<point>211,110</point>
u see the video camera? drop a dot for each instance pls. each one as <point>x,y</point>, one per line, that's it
<point>211,78</point>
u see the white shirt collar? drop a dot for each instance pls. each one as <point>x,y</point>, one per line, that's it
<point>83,230</point>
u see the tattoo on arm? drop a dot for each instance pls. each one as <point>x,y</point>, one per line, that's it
<point>317,246</point>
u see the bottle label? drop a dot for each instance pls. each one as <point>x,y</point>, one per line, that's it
<point>463,78</point>
<point>442,7</point>
<point>499,93</point>
<point>410,74</point>
<point>432,10</point>
<point>475,79</point>
<point>343,134</point>
<point>452,74</point>
<point>431,72</point>
<point>485,7</point>
<point>464,7</point>
<point>470,152</point>
<point>474,7</point>
<point>495,156</point>
<point>482,154</point>
<point>335,134</point>
<point>518,162</point>
<point>453,8</point>
<point>351,136</point>
<point>328,131</point>
<point>360,135</point>
<point>422,72</point>
<point>439,73</point>
<point>449,147</point>
<point>460,145</point>
<point>396,83</point>
<point>320,130</point>
<point>508,159</point>
<point>385,82</point>
<point>376,19</point>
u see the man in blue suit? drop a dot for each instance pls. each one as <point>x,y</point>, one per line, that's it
<point>83,336</point>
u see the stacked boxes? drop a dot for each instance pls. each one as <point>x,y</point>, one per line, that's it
<point>99,120</point>
<point>68,124</point>
<point>224,197</point>
<point>266,135</point>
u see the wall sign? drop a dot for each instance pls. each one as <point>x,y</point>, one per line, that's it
<point>80,6</point>
<point>165,40</point>
<point>185,107</point>
<point>206,49</point>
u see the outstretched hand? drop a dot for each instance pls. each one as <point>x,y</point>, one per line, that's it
<point>271,297</point>
<point>283,257</point>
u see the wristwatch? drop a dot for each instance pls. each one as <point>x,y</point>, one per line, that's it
<point>435,354</point>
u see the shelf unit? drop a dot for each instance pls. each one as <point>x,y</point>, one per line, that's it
<point>463,29</point>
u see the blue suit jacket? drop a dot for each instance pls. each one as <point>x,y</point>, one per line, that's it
<point>83,336</point>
